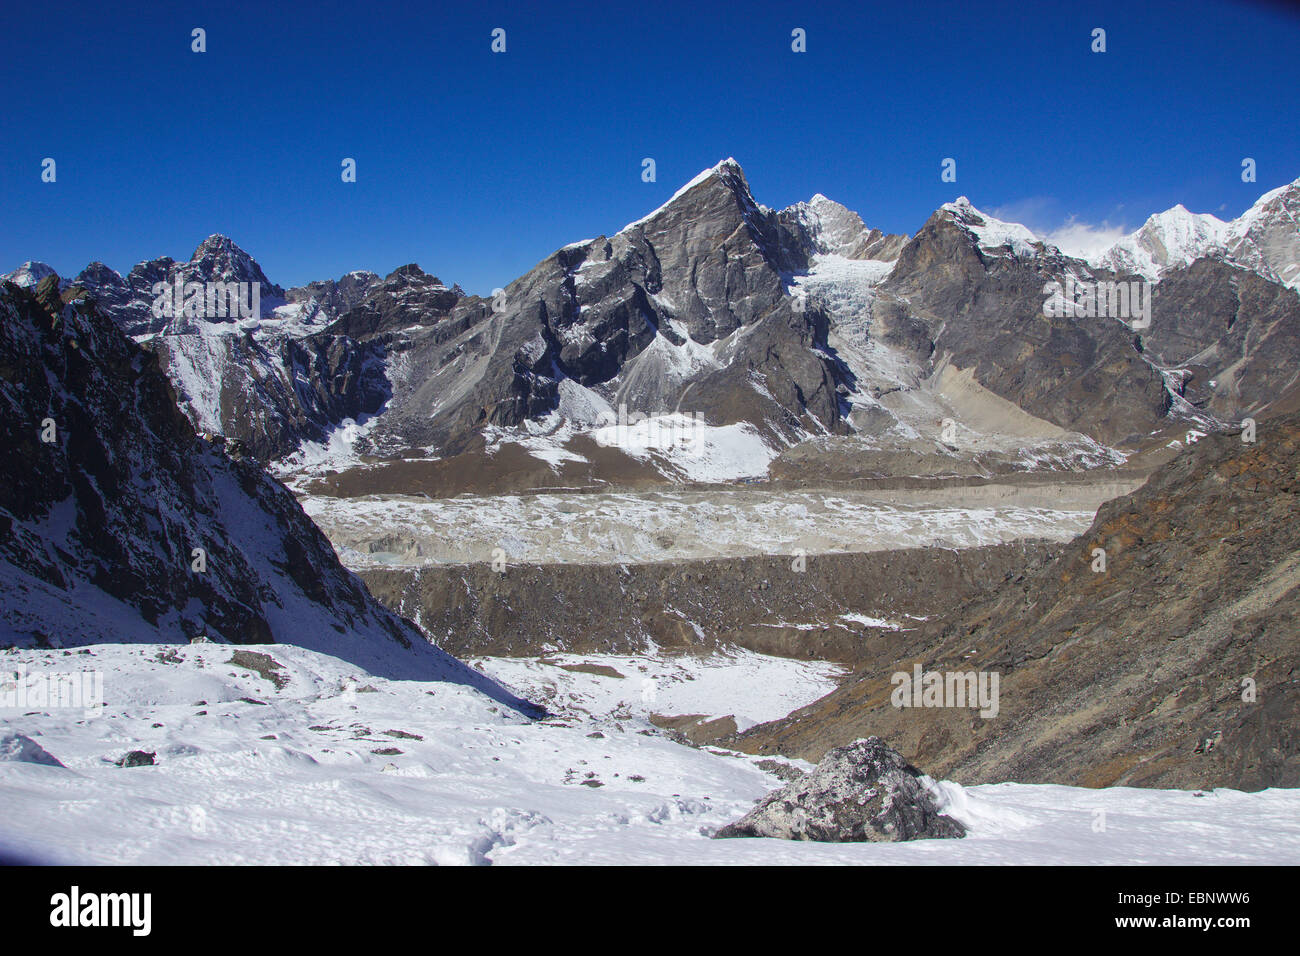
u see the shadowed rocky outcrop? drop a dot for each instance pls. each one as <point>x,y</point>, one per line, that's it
<point>269,383</point>
<point>1232,336</point>
<point>119,524</point>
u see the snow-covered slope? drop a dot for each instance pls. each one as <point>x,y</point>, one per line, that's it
<point>28,274</point>
<point>328,765</point>
<point>830,228</point>
<point>1266,238</point>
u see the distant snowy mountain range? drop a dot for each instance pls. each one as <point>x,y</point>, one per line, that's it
<point>1264,239</point>
<point>787,325</point>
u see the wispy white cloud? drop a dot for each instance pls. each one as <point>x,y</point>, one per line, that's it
<point>1075,237</point>
<point>1032,211</point>
<point>1083,239</point>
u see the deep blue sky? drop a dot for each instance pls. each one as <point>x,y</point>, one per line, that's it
<point>477,165</point>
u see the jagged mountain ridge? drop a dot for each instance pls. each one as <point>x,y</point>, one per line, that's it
<point>968,291</point>
<point>681,310</point>
<point>689,309</point>
<point>297,376</point>
<point>271,383</point>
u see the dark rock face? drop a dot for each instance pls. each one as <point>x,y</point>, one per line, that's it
<point>330,298</point>
<point>271,393</point>
<point>711,252</point>
<point>408,296</point>
<point>862,792</point>
<point>120,442</point>
<point>129,301</point>
<point>983,309</point>
<point>1225,325</point>
<point>274,387</point>
<point>108,493</point>
<point>218,259</point>
<point>113,294</point>
<point>1173,667</point>
<point>268,388</point>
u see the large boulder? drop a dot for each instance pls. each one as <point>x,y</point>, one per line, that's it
<point>863,792</point>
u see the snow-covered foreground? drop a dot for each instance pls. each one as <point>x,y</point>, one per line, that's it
<point>335,766</point>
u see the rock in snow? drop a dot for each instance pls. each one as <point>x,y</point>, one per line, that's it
<point>138,758</point>
<point>863,792</point>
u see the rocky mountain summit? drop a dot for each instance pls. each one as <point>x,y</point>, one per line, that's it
<point>407,297</point>
<point>967,292</point>
<point>825,227</point>
<point>324,300</point>
<point>129,301</point>
<point>269,383</point>
<point>687,301</point>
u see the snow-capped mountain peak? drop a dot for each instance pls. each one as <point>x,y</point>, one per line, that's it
<point>993,235</point>
<point>831,228</point>
<point>29,274</point>
<point>1167,240</point>
<point>1276,202</point>
<point>1264,239</point>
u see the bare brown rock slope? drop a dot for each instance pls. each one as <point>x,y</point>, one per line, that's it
<point>1140,675</point>
<point>754,602</point>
